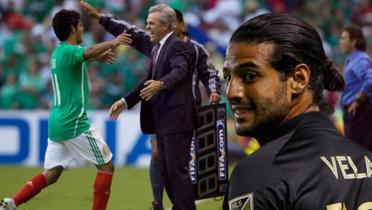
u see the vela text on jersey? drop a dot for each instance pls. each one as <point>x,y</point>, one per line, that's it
<point>348,168</point>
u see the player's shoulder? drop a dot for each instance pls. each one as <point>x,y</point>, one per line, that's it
<point>176,43</point>
<point>255,173</point>
<point>261,156</point>
<point>199,46</point>
<point>196,43</point>
<point>336,144</point>
<point>248,173</point>
<point>263,159</point>
<point>67,48</point>
<point>253,166</point>
<point>349,147</point>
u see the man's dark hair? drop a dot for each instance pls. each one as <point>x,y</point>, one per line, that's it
<point>62,22</point>
<point>179,15</point>
<point>295,42</point>
<point>355,33</point>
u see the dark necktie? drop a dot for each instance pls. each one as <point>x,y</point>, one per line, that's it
<point>154,54</point>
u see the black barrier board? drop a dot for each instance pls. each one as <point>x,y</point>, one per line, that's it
<point>208,166</point>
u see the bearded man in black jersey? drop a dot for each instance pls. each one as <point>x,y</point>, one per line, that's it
<point>276,71</point>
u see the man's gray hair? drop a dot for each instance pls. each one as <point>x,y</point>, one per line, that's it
<point>167,15</point>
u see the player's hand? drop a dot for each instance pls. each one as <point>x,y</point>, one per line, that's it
<point>123,38</point>
<point>214,98</point>
<point>90,9</point>
<point>107,57</point>
<point>152,88</point>
<point>116,109</point>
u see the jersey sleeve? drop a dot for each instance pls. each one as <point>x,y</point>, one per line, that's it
<point>140,39</point>
<point>76,54</point>
<point>207,72</point>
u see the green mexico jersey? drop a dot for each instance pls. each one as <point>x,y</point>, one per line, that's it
<point>67,117</point>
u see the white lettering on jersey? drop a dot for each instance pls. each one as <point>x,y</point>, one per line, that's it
<point>347,167</point>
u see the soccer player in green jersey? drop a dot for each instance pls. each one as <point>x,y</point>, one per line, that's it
<point>72,140</point>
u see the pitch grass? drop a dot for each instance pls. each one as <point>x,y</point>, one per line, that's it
<point>73,191</point>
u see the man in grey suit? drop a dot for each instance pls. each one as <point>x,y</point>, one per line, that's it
<point>167,104</point>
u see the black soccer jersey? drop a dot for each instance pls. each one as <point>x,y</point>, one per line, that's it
<point>307,166</point>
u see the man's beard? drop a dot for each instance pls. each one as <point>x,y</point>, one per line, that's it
<point>272,113</point>
<point>264,129</point>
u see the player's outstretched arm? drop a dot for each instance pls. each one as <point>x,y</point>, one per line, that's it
<point>141,39</point>
<point>98,49</point>
<point>92,12</point>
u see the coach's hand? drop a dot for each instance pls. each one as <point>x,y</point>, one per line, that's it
<point>152,88</point>
<point>90,9</point>
<point>116,109</point>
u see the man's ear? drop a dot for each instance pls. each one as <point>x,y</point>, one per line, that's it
<point>299,79</point>
<point>183,24</point>
<point>73,29</point>
<point>354,42</point>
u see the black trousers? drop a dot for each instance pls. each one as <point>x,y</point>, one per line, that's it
<point>174,152</point>
<point>358,126</point>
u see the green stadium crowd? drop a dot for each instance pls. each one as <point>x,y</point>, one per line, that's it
<point>26,40</point>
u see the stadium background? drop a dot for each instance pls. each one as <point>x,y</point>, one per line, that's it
<point>27,39</point>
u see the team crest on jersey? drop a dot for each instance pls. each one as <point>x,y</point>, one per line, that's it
<point>105,150</point>
<point>244,202</point>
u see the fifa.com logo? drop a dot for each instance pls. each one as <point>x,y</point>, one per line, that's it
<point>221,150</point>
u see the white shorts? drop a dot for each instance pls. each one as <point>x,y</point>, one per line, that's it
<point>87,149</point>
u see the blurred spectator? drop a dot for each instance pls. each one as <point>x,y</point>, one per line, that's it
<point>113,89</point>
<point>2,76</point>
<point>25,32</point>
<point>133,69</point>
<point>9,92</point>
<point>31,87</point>
<point>222,20</point>
<point>47,96</point>
<point>38,9</point>
<point>253,9</point>
<point>361,12</point>
<point>96,87</point>
<point>357,96</point>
